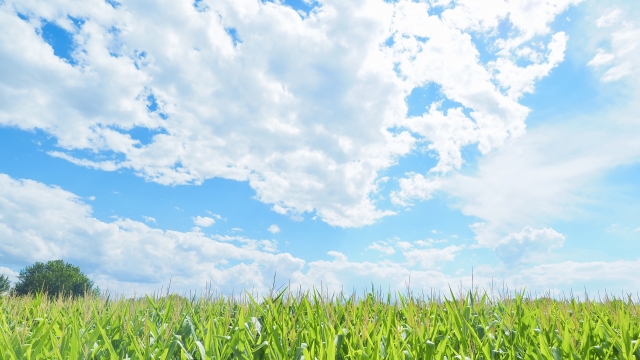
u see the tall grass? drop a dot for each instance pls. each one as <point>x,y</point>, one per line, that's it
<point>312,325</point>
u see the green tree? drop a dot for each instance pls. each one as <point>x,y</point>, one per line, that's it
<point>5,284</point>
<point>54,278</point>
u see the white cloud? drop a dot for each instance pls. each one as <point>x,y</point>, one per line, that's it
<point>613,17</point>
<point>429,258</point>
<point>265,245</point>
<point>415,186</point>
<point>558,170</point>
<point>12,275</point>
<point>269,245</point>
<point>204,221</point>
<point>382,247</point>
<point>340,274</point>
<point>301,108</point>
<point>495,114</point>
<point>41,223</point>
<point>601,58</point>
<point>216,216</point>
<point>273,228</point>
<point>449,58</point>
<point>149,219</point>
<point>428,242</point>
<point>620,61</point>
<point>552,173</point>
<point>596,275</point>
<point>529,18</point>
<point>528,244</point>
<point>520,80</point>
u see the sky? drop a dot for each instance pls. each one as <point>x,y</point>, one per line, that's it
<point>250,144</point>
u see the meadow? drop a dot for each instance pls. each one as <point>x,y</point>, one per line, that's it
<point>313,325</point>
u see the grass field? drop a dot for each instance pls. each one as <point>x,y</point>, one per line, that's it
<point>312,325</point>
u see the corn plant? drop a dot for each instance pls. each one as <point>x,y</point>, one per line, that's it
<point>314,325</point>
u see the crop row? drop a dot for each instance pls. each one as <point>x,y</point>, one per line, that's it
<point>317,326</point>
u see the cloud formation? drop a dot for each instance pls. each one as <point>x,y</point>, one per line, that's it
<point>204,221</point>
<point>149,219</point>
<point>309,110</point>
<point>273,228</point>
<point>41,223</point>
<point>382,247</point>
<point>556,170</point>
<point>620,60</point>
<point>528,244</point>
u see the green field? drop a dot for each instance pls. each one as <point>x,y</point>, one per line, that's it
<point>312,325</point>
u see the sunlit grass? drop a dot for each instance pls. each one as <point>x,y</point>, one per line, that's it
<point>310,325</point>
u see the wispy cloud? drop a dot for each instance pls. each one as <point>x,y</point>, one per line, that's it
<point>620,61</point>
<point>528,245</point>
<point>382,247</point>
<point>149,219</point>
<point>216,216</point>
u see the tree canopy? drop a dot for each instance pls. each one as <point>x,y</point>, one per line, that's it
<point>54,278</point>
<point>5,284</point>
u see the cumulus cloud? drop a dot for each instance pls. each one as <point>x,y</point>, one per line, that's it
<point>529,18</point>
<point>414,187</point>
<point>485,114</point>
<point>449,58</point>
<point>273,228</point>
<point>41,223</point>
<point>308,110</point>
<point>518,80</point>
<point>204,221</point>
<point>528,244</point>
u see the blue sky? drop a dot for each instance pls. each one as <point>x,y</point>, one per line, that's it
<point>342,144</point>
